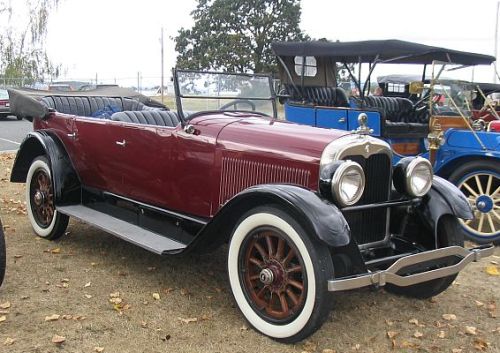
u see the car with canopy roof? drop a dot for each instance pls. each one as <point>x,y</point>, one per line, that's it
<point>431,122</point>
<point>305,211</point>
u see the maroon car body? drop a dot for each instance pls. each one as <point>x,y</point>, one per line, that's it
<point>305,210</point>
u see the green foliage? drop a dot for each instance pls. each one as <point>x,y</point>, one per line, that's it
<point>236,35</point>
<point>23,29</point>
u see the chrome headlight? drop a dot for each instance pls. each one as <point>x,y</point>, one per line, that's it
<point>348,183</point>
<point>413,176</point>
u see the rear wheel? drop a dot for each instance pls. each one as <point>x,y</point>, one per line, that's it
<point>480,183</point>
<point>278,275</point>
<point>2,254</point>
<point>44,218</point>
<point>449,234</point>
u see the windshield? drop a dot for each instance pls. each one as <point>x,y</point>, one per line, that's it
<point>450,93</point>
<point>212,91</point>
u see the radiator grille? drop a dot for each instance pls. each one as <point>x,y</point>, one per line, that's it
<point>238,174</point>
<point>371,225</point>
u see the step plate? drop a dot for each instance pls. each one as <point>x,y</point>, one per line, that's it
<point>144,238</point>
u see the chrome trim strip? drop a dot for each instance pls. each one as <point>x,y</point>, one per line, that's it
<point>381,278</point>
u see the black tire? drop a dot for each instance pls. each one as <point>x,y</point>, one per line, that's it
<point>2,254</point>
<point>289,299</point>
<point>469,173</point>
<point>42,214</point>
<point>449,233</point>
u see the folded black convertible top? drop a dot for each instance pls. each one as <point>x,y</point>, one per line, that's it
<point>394,51</point>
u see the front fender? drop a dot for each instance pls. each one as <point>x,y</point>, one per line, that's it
<point>43,143</point>
<point>320,218</point>
<point>444,198</point>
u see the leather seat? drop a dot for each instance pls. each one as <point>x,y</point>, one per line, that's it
<point>149,117</point>
<point>324,96</point>
<point>88,106</point>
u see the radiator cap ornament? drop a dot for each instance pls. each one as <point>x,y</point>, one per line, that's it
<point>363,128</point>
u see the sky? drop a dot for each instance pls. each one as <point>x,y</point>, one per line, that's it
<point>117,39</point>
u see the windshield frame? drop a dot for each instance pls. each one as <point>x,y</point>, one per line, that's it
<point>179,96</point>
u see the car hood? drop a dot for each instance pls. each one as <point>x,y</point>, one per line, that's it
<point>274,137</point>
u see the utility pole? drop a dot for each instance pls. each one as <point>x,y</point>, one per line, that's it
<point>496,44</point>
<point>161,87</point>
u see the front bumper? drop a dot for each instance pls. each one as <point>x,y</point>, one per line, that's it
<point>390,275</point>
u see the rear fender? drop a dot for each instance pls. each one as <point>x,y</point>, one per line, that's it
<point>321,219</point>
<point>67,187</point>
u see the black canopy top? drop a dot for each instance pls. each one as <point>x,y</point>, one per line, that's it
<point>393,51</point>
<point>488,88</point>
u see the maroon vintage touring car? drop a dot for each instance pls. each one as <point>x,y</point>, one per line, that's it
<point>305,210</point>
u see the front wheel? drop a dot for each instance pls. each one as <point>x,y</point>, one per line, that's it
<point>44,218</point>
<point>480,183</point>
<point>278,275</point>
<point>449,233</point>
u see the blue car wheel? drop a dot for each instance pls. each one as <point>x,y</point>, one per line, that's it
<point>480,183</point>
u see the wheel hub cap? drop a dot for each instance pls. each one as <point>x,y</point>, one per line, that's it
<point>266,276</point>
<point>39,198</point>
<point>484,203</point>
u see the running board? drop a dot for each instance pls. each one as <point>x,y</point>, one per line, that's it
<point>132,233</point>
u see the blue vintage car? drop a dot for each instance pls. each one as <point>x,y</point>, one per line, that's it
<point>430,118</point>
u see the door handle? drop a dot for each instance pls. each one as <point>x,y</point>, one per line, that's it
<point>72,135</point>
<point>121,143</point>
<point>342,120</point>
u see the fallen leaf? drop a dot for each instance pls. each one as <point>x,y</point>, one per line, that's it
<point>492,270</point>
<point>478,303</point>
<point>55,251</point>
<point>87,285</point>
<point>389,322</point>
<point>184,291</point>
<point>309,346</point>
<point>152,268</point>
<point>480,344</point>
<point>5,305</point>
<point>144,324</point>
<point>115,300</point>
<point>471,330</point>
<point>441,334</point>
<point>168,290</point>
<point>244,328</point>
<point>156,296</point>
<point>88,296</point>
<point>413,321</point>
<point>408,344</point>
<point>328,350</point>
<point>65,280</point>
<point>449,317</point>
<point>58,339</point>
<point>17,256</point>
<point>356,347</point>
<point>114,295</point>
<point>392,334</point>
<point>99,349</point>
<point>3,318</point>
<point>67,317</point>
<point>418,334</point>
<point>9,341</point>
<point>188,320</point>
<point>456,350</point>
<point>53,317</point>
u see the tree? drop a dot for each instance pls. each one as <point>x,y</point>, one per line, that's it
<point>23,29</point>
<point>236,35</point>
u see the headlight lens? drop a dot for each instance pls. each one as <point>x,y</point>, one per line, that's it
<point>348,183</point>
<point>418,177</point>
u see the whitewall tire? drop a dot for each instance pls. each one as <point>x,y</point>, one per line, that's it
<point>40,202</point>
<point>278,275</point>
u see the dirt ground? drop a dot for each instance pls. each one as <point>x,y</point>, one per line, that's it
<point>102,294</point>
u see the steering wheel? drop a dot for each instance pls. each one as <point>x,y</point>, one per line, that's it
<point>421,104</point>
<point>235,103</point>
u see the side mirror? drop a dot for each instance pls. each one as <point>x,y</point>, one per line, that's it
<point>25,106</point>
<point>416,87</point>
